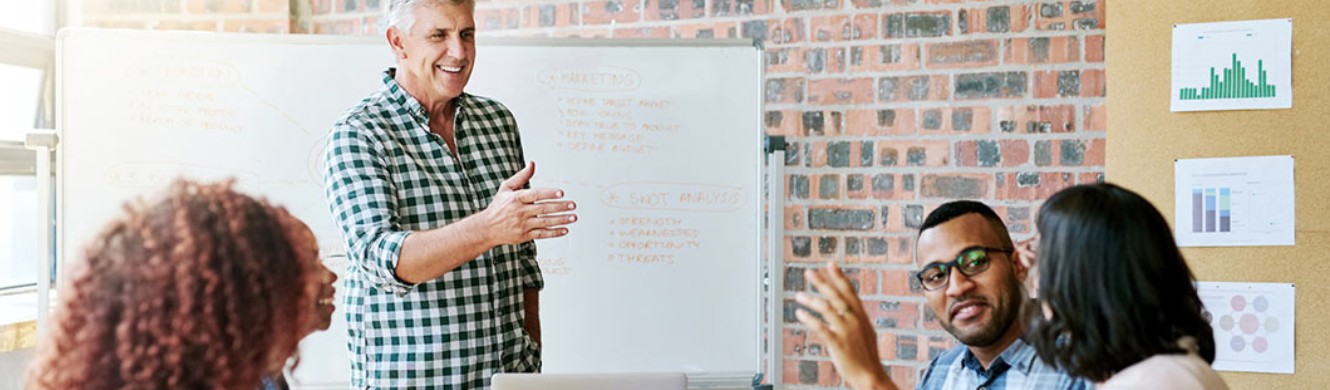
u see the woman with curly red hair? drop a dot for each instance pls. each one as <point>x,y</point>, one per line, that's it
<point>205,289</point>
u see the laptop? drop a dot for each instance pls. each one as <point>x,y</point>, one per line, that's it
<point>634,381</point>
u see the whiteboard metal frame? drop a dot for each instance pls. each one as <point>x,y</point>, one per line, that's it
<point>362,39</point>
<point>626,42</point>
<point>775,151</point>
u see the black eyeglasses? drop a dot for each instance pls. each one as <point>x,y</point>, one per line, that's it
<point>971,261</point>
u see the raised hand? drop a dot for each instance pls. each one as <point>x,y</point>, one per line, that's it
<point>517,215</point>
<point>845,328</point>
<point>1027,256</point>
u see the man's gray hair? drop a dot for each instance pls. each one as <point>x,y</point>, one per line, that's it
<point>401,13</point>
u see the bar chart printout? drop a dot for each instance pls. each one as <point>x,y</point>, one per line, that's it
<point>1232,83</point>
<point>1212,210</point>
<point>1243,201</point>
<point>1232,65</point>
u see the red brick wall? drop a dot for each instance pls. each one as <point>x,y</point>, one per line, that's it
<point>890,107</point>
<point>263,16</point>
<point>346,16</point>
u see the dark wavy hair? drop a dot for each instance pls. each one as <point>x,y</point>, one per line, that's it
<point>1119,289</point>
<point>205,289</point>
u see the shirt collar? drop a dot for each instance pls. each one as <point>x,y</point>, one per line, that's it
<point>398,96</point>
<point>1019,355</point>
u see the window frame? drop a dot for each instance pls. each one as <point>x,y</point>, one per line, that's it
<point>35,51</point>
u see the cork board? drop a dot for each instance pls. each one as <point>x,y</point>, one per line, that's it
<point>1144,138</point>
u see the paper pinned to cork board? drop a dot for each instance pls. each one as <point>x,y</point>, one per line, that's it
<point>1253,324</point>
<point>1236,201</point>
<point>1243,65</point>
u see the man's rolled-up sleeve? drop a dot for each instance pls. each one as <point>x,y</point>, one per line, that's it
<point>361,196</point>
<point>530,268</point>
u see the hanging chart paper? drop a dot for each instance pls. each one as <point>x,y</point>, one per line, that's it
<point>1253,324</point>
<point>1239,201</point>
<point>1232,65</point>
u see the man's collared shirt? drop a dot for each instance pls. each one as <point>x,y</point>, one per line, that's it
<point>388,175</point>
<point>1018,367</point>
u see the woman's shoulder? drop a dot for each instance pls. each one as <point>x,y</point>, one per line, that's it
<point>1167,371</point>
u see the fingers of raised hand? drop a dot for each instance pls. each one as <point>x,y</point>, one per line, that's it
<point>549,221</point>
<point>539,234</point>
<point>837,297</point>
<point>841,283</point>
<point>830,313</point>
<point>551,207</point>
<point>519,179</point>
<point>1029,254</point>
<point>534,195</point>
<point>1030,246</point>
<point>814,324</point>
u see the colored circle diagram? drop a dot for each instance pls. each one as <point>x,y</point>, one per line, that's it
<point>1248,326</point>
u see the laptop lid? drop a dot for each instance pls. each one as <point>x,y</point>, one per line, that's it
<point>618,381</point>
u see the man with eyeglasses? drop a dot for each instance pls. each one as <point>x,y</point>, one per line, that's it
<point>972,278</point>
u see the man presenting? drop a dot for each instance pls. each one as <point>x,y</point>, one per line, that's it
<point>429,186</point>
<point>972,278</point>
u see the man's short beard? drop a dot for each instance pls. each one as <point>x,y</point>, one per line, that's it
<point>1004,316</point>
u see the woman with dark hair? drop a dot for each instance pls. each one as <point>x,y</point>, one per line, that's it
<point>321,320</point>
<point>204,289</point>
<point>1119,303</point>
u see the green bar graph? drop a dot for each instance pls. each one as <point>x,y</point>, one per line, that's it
<point>1232,83</point>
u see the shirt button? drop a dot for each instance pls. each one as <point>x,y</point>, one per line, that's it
<point>982,388</point>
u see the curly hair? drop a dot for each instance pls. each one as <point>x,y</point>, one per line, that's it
<point>205,289</point>
<point>1116,283</point>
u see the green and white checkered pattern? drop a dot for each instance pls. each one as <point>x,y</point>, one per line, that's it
<point>388,175</point>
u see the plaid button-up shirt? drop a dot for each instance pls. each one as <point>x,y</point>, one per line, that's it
<point>388,175</point>
<point>1018,367</point>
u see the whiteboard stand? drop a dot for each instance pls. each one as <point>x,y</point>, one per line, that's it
<point>43,142</point>
<point>775,151</point>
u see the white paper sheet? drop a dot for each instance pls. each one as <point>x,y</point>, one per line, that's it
<point>1253,325</point>
<point>1232,65</point>
<point>1239,201</point>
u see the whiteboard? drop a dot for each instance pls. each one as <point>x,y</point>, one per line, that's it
<point>658,141</point>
